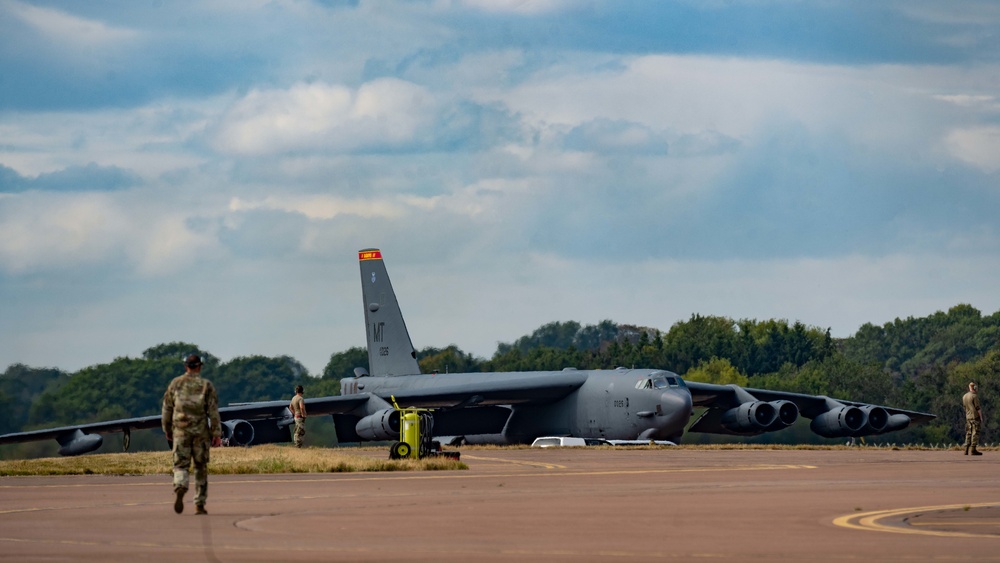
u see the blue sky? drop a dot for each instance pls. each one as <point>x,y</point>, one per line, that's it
<point>206,171</point>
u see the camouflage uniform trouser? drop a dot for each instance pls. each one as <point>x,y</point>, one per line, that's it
<point>300,432</point>
<point>190,449</point>
<point>972,433</point>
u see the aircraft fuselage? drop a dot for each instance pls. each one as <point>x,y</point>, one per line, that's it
<point>625,404</point>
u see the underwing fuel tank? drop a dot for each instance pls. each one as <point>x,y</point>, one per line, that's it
<point>76,443</point>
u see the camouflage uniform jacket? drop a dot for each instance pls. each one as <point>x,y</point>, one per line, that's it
<point>971,403</point>
<point>189,404</point>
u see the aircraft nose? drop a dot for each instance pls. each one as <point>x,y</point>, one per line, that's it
<point>675,406</point>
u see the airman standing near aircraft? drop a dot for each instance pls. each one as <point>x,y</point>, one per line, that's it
<point>973,419</point>
<point>190,419</point>
<point>298,408</point>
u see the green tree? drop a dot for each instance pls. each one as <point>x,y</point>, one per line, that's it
<point>986,373</point>
<point>718,371</point>
<point>258,378</point>
<point>342,364</point>
<point>179,351</point>
<point>20,385</point>
<point>551,335</point>
<point>124,388</point>
<point>447,360</point>
<point>688,343</point>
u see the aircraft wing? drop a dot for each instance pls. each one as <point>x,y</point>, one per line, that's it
<point>140,423</point>
<point>732,409</point>
<point>238,419</point>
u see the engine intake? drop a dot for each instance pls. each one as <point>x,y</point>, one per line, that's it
<point>878,418</point>
<point>237,432</point>
<point>383,425</point>
<point>839,422</point>
<point>754,416</point>
<point>788,413</point>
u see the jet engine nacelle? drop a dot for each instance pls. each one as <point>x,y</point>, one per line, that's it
<point>877,419</point>
<point>237,432</point>
<point>787,414</point>
<point>383,425</point>
<point>880,421</point>
<point>839,422</point>
<point>77,443</point>
<point>752,416</point>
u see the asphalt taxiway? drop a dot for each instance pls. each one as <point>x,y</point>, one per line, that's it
<point>568,504</point>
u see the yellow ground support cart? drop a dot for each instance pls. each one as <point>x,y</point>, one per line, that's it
<point>416,428</point>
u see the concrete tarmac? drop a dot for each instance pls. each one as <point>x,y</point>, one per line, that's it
<point>569,504</point>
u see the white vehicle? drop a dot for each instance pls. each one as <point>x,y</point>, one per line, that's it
<point>562,441</point>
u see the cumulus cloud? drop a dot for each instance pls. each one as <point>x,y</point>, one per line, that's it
<point>319,206</point>
<point>45,231</point>
<point>386,112</point>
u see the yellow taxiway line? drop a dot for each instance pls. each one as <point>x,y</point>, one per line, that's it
<point>871,521</point>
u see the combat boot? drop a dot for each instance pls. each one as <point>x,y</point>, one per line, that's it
<point>179,501</point>
<point>200,509</point>
<point>966,450</point>
<point>975,451</point>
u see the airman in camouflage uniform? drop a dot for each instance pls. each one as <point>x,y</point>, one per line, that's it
<point>190,419</point>
<point>298,408</point>
<point>973,419</point>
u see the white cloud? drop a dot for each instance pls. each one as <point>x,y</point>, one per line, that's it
<point>325,117</point>
<point>979,146</point>
<point>42,231</point>
<point>67,29</point>
<point>320,206</point>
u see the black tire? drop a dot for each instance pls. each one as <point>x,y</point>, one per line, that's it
<point>394,451</point>
<point>403,450</point>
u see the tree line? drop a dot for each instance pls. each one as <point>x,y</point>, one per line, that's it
<point>919,364</point>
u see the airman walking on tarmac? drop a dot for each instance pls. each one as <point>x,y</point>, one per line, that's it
<point>190,420</point>
<point>973,419</point>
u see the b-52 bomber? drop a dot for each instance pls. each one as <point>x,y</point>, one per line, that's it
<point>512,407</point>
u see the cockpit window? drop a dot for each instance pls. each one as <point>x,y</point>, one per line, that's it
<point>660,381</point>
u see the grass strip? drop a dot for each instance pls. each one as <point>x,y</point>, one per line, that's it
<point>257,460</point>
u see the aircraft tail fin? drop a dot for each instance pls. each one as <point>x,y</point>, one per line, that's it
<point>390,351</point>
